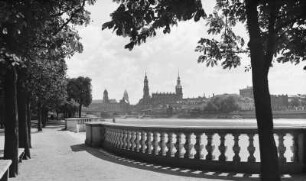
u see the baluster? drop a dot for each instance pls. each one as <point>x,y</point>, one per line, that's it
<point>209,146</point>
<point>178,145</point>
<point>149,143</point>
<point>138,144</point>
<point>122,139</point>
<point>116,138</point>
<point>143,141</point>
<point>110,135</point>
<point>155,143</point>
<point>163,144</point>
<point>170,144</point>
<point>187,145</point>
<point>133,137</point>
<point>197,146</point>
<point>236,148</point>
<point>281,148</point>
<point>222,147</point>
<point>113,138</point>
<point>251,148</point>
<point>295,147</point>
<point>129,141</point>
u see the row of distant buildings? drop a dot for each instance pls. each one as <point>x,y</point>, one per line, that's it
<point>278,102</point>
<point>173,102</point>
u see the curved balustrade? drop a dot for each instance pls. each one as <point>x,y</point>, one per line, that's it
<point>207,148</point>
<point>78,124</point>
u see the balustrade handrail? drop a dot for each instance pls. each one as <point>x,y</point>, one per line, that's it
<point>248,129</point>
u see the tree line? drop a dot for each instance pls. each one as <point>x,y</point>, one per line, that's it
<point>35,39</point>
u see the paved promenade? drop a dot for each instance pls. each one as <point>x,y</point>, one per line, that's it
<point>61,155</point>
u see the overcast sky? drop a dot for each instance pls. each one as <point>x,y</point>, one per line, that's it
<point>116,69</point>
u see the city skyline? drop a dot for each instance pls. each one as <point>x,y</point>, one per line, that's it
<point>116,69</point>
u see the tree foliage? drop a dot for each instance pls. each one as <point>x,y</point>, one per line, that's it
<point>222,104</point>
<point>140,19</point>
<point>79,89</point>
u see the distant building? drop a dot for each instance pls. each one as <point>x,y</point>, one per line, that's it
<point>160,98</point>
<point>246,104</point>
<point>105,96</point>
<point>109,107</point>
<point>125,98</point>
<point>279,102</point>
<point>247,92</point>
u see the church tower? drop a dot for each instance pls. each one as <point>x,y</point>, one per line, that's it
<point>126,97</point>
<point>105,97</point>
<point>178,87</point>
<point>146,94</point>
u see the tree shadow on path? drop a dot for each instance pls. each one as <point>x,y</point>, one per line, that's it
<point>106,156</point>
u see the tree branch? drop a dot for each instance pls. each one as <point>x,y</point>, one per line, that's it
<point>71,17</point>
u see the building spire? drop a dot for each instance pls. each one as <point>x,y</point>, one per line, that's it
<point>178,87</point>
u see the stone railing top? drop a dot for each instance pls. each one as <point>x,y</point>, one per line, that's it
<point>248,129</point>
<point>72,119</point>
<point>4,165</point>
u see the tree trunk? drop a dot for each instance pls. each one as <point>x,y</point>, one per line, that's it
<point>11,120</point>
<point>39,111</point>
<point>44,117</point>
<point>29,112</point>
<point>80,110</point>
<point>1,108</point>
<point>268,151</point>
<point>22,115</point>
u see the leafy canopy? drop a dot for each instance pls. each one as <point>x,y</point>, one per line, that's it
<point>79,89</point>
<point>285,27</point>
<point>35,27</point>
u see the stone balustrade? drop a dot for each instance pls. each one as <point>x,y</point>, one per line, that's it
<point>78,124</point>
<point>230,149</point>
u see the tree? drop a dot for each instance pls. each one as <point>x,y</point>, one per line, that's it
<point>222,104</point>
<point>211,107</point>
<point>276,29</point>
<point>295,102</point>
<point>47,82</point>
<point>79,89</point>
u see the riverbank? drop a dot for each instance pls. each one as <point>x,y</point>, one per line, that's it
<point>237,115</point>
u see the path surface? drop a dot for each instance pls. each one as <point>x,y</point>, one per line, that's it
<point>61,155</point>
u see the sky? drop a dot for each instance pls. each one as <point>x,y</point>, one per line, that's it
<point>116,69</point>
